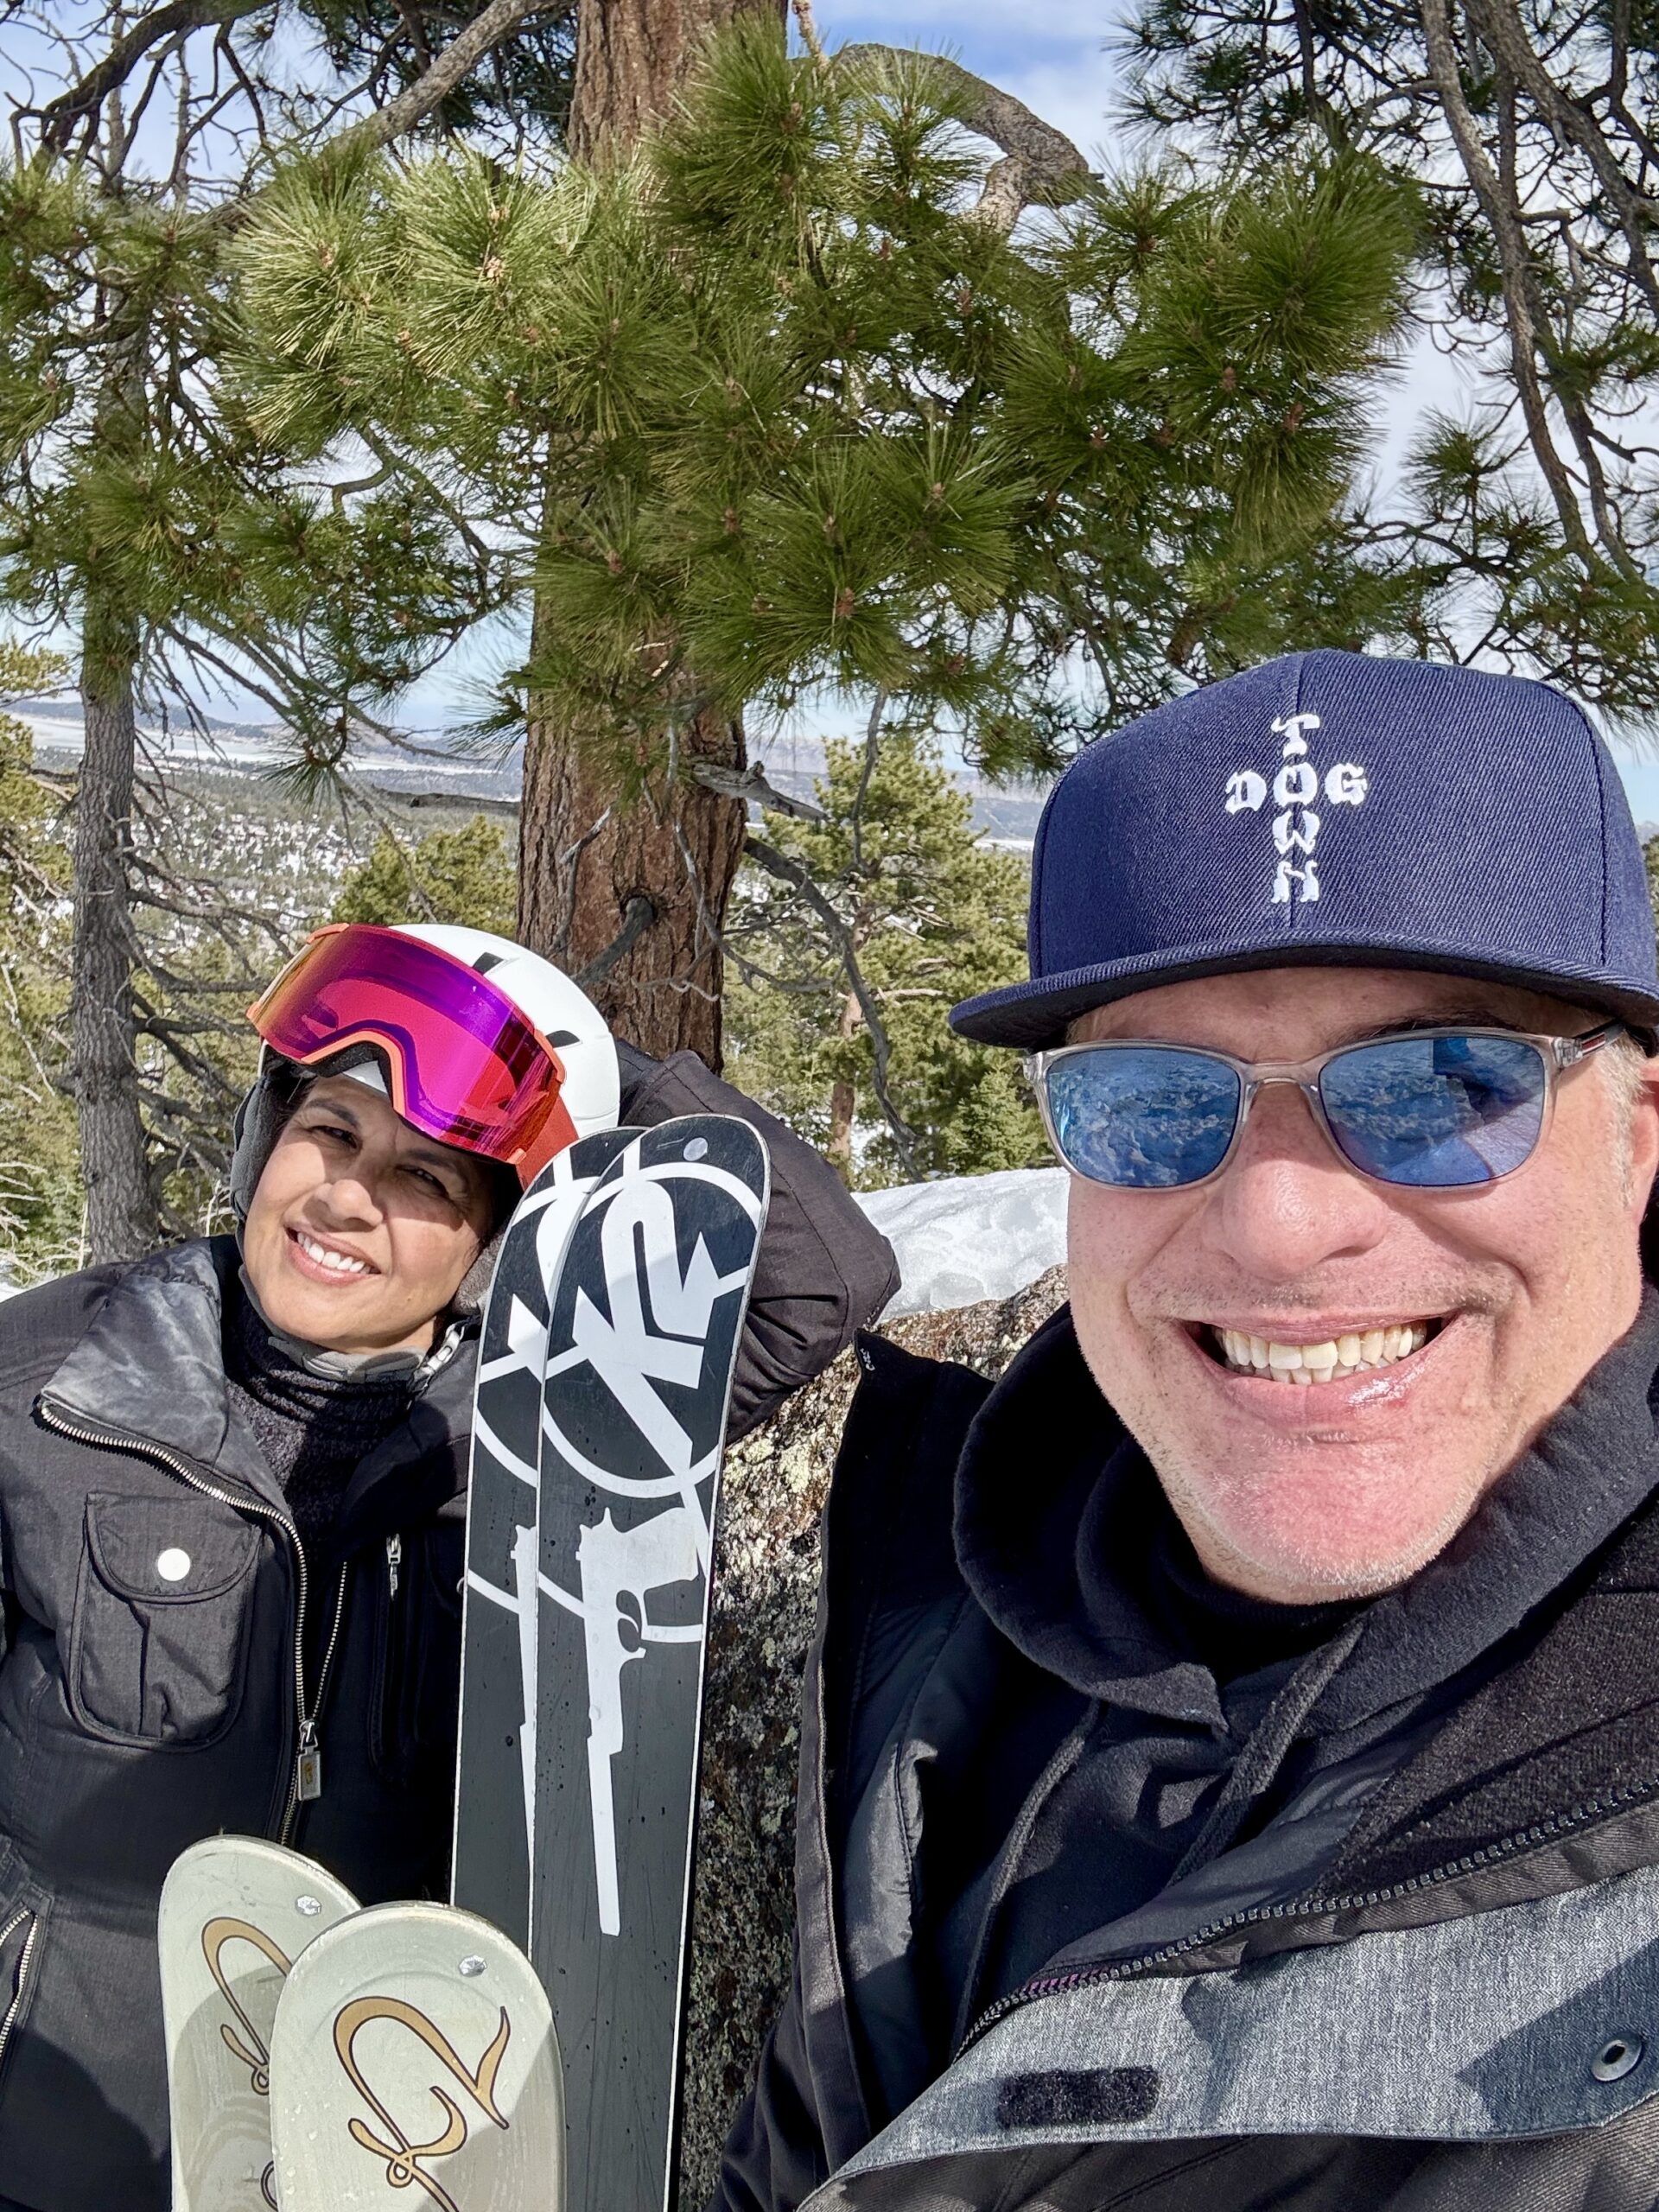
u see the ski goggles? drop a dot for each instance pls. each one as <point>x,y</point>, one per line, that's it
<point>1432,1109</point>
<point>464,1065</point>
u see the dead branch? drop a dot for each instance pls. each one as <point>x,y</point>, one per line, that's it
<point>1042,167</point>
<point>81,103</point>
<point>793,872</point>
<point>637,917</point>
<point>468,47</point>
<point>1519,282</point>
<point>750,783</point>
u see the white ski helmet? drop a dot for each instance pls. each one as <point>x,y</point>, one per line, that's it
<point>562,1010</point>
<point>546,999</point>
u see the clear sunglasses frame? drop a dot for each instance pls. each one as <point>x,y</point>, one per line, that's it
<point>1557,1055</point>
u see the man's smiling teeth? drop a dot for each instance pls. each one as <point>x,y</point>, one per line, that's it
<point>1335,1361</point>
<point>341,1263</point>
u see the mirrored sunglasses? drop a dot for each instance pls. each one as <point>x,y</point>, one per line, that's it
<point>1432,1109</point>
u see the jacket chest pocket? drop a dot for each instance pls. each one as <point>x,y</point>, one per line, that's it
<point>158,1642</point>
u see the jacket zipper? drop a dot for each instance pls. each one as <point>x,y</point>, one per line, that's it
<point>143,1448</point>
<point>21,1984</point>
<point>1310,1901</point>
<point>307,1770</point>
<point>394,1562</point>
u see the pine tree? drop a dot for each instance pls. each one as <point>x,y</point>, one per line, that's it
<point>1532,515</point>
<point>790,402</point>
<point>39,1182</point>
<point>138,509</point>
<point>466,875</point>
<point>852,938</point>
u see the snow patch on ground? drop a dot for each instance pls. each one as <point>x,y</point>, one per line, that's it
<point>967,1237</point>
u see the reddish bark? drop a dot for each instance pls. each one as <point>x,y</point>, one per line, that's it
<point>584,875</point>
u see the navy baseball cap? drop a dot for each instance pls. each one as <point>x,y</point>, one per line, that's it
<point>1336,810</point>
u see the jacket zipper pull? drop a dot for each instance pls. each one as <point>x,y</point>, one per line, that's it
<point>394,1561</point>
<point>309,1782</point>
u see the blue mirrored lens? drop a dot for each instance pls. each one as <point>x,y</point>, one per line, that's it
<point>1145,1117</point>
<point>1437,1112</point>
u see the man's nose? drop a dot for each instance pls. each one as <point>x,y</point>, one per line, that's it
<point>1287,1201</point>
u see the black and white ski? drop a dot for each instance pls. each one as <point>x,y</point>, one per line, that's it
<point>643,1326</point>
<point>495,1780</point>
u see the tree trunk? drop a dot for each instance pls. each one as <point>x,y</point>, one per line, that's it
<point>613,897</point>
<point>843,1103</point>
<point>632,58</point>
<point>122,1221</point>
<point>630,899</point>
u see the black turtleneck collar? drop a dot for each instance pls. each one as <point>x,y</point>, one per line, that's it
<point>1064,1534</point>
<point>314,1428</point>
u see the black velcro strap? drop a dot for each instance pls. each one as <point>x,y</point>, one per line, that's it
<point>1107,2096</point>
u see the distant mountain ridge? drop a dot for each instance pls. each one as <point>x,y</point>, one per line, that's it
<point>1006,815</point>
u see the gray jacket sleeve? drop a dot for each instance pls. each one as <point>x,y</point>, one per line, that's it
<point>824,1271</point>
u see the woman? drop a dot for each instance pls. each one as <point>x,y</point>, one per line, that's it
<point>232,1500</point>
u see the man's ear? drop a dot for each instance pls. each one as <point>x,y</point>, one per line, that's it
<point>1644,1156</point>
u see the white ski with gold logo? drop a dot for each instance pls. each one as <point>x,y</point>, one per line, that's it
<point>414,2050</point>
<point>236,1913</point>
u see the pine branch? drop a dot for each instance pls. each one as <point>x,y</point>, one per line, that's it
<point>1041,166</point>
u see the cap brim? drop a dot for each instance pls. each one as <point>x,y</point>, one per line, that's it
<point>1034,1015</point>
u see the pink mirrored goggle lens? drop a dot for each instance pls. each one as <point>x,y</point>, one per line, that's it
<point>466,1066</point>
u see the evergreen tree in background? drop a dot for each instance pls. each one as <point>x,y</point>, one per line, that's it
<point>852,939</point>
<point>1531,129</point>
<point>790,402</point>
<point>138,512</point>
<point>40,1183</point>
<point>465,875</point>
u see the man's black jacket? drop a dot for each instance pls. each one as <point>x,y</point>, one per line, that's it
<point>139,1714</point>
<point>1411,1957</point>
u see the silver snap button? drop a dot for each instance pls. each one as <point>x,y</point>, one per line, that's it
<point>697,1149</point>
<point>1619,2056</point>
<point>173,1565</point>
<point>309,1906</point>
<point>471,1967</point>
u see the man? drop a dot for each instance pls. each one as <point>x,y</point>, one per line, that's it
<point>1230,1774</point>
<point>233,1493</point>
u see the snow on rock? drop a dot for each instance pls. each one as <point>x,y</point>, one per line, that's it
<point>969,1238</point>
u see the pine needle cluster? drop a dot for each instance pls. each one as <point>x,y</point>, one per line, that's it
<point>774,409</point>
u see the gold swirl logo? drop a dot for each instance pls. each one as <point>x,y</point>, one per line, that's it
<point>244,2040</point>
<point>403,2156</point>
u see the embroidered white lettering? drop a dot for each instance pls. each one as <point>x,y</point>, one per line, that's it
<point>1290,727</point>
<point>1296,832</point>
<point>1246,791</point>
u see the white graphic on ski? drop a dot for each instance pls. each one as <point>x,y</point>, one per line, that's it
<point>501,1573</point>
<point>656,1332</point>
<point>617,1563</point>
